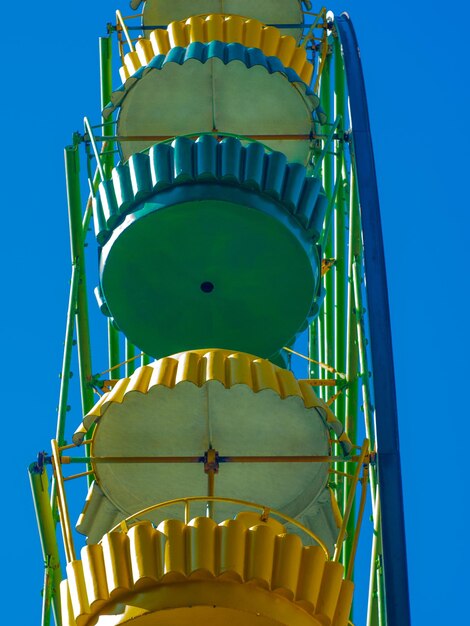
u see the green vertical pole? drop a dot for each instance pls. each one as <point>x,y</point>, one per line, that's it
<point>331,171</point>
<point>46,596</point>
<point>321,348</point>
<point>341,277</point>
<point>323,328</point>
<point>360,334</point>
<point>113,351</point>
<point>67,357</point>
<point>313,350</point>
<point>328,171</point>
<point>106,87</point>
<point>340,268</point>
<point>50,550</point>
<point>72,172</point>
<point>130,360</point>
<point>376,607</point>
<point>145,359</point>
<point>65,374</point>
<point>364,362</point>
<point>352,354</point>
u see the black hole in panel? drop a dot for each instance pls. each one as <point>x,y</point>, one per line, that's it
<point>207,286</point>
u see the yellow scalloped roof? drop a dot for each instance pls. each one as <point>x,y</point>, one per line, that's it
<point>217,27</point>
<point>202,366</point>
<point>202,572</point>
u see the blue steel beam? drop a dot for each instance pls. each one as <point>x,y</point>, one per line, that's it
<point>388,449</point>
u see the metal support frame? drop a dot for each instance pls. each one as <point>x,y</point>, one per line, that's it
<point>47,533</point>
<point>72,171</point>
<point>337,341</point>
<point>386,419</point>
<point>106,88</point>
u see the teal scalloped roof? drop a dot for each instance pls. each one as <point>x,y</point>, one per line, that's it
<point>225,52</point>
<point>227,162</point>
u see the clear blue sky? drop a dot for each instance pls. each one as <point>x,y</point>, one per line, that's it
<point>415,62</point>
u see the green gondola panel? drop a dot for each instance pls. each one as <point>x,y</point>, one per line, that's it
<point>207,243</point>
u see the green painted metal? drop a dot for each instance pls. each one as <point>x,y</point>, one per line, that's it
<point>164,258</point>
<point>67,358</point>
<point>145,360</point>
<point>340,250</point>
<point>314,370</point>
<point>130,358</point>
<point>74,201</point>
<point>328,171</point>
<point>352,353</point>
<point>363,357</point>
<point>340,267</point>
<point>328,144</point>
<point>377,581</point>
<point>106,88</point>
<point>164,268</point>
<point>47,596</point>
<point>90,137</point>
<point>376,615</point>
<point>341,240</point>
<point>65,376</point>
<point>114,352</point>
<point>72,171</point>
<point>47,534</point>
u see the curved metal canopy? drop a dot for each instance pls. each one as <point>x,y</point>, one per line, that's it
<point>224,234</point>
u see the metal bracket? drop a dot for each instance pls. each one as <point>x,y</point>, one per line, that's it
<point>42,460</point>
<point>77,138</point>
<point>211,461</point>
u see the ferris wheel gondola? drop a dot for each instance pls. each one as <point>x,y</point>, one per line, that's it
<point>234,208</point>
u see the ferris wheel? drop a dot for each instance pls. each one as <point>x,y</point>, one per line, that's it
<point>238,413</point>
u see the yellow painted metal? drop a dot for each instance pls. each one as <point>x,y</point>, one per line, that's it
<point>286,564</point>
<point>330,589</point>
<point>200,571</point>
<point>259,555</point>
<point>78,590</point>
<point>335,508</point>
<point>360,514</point>
<point>96,583</point>
<point>117,562</point>
<point>147,565</point>
<point>200,545</point>
<point>62,504</point>
<point>242,516</point>
<point>121,25</point>
<point>350,502</point>
<point>250,518</point>
<point>174,556</point>
<point>324,366</point>
<point>312,565</point>
<point>218,27</point>
<point>231,539</point>
<point>200,367</point>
